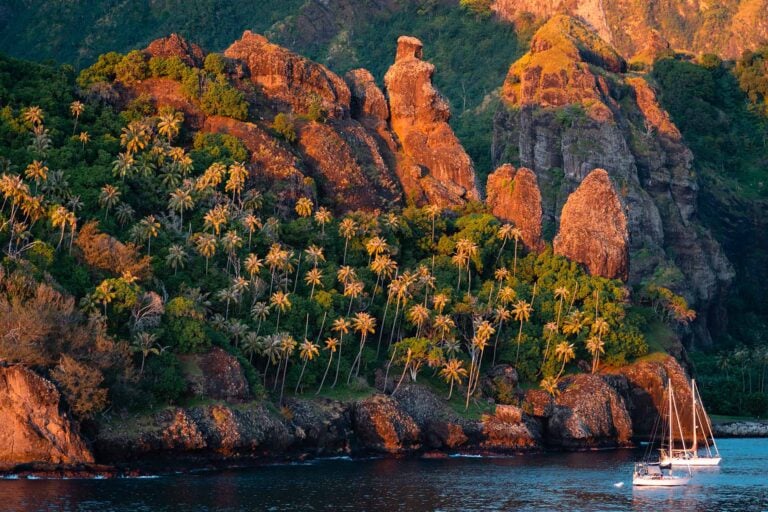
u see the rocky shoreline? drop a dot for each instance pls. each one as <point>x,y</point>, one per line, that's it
<point>589,412</point>
<point>742,428</point>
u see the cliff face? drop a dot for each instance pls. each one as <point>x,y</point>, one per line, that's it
<point>727,28</point>
<point>176,46</point>
<point>32,426</point>
<point>433,165</point>
<point>593,228</point>
<point>514,196</point>
<point>567,109</point>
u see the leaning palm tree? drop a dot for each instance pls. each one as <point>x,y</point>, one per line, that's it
<point>561,294</point>
<point>307,352</point>
<point>453,372</point>
<point>501,315</point>
<point>340,326</point>
<point>331,345</point>
<point>522,313</point>
<point>565,353</point>
<point>550,329</point>
<point>364,324</point>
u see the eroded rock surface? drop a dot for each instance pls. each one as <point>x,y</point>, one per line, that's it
<point>33,427</point>
<point>514,196</point>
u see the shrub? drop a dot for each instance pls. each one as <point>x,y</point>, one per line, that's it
<point>79,384</point>
<point>284,126</point>
<point>132,68</point>
<point>185,327</point>
<point>102,71</point>
<point>220,98</point>
<point>214,63</point>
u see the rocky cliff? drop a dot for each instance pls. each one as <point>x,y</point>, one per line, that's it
<point>593,228</point>
<point>433,165</point>
<point>513,195</point>
<point>33,426</point>
<point>727,28</point>
<point>569,108</point>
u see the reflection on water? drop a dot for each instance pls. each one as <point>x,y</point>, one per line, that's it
<point>576,481</point>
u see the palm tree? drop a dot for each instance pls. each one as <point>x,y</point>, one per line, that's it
<point>33,115</point>
<point>595,346</point>
<point>433,211</point>
<point>216,217</point>
<point>374,247</point>
<point>483,333</point>
<point>522,313</point>
<point>504,233</point>
<point>180,201</point>
<point>282,302</point>
<point>169,124</point>
<point>331,345</point>
<point>260,312</point>
<point>517,235</point>
<point>364,324</point>
<point>84,138</point>
<point>134,137</point>
<point>287,346</point>
<point>314,277</point>
<point>352,289</point>
<point>251,223</point>
<point>323,216</point>
<point>453,372</point>
<point>550,329</point>
<point>104,294</point>
<point>150,228</point>
<point>307,352</point>
<point>251,345</point>
<point>501,315</point>
<point>124,165</point>
<point>205,244</point>
<point>237,176</point>
<point>564,352</point>
<point>574,323</point>
<point>304,207</point>
<point>347,229</point>
<point>561,293</point>
<point>177,257</point>
<point>418,315</point>
<point>549,384</point>
<point>253,265</point>
<point>228,295</point>
<point>59,216</point>
<point>109,197</point>
<point>77,108</point>
<point>146,344</point>
<point>36,171</point>
<point>231,242</point>
<point>340,326</point>
<point>466,250</point>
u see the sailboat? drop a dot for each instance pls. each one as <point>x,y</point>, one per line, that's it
<point>693,457</point>
<point>657,474</point>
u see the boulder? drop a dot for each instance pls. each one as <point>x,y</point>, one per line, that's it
<point>513,196</point>
<point>500,382</point>
<point>419,118</point>
<point>222,376</point>
<point>593,228</point>
<point>323,426</point>
<point>33,426</point>
<point>588,413</point>
<point>382,426</point>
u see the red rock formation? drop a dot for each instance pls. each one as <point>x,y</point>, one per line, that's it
<point>382,426</point>
<point>220,376</point>
<point>514,196</point>
<point>289,79</point>
<point>347,165</point>
<point>367,99</point>
<point>593,228</point>
<point>32,427</point>
<point>176,46</point>
<point>433,166</point>
<point>589,413</point>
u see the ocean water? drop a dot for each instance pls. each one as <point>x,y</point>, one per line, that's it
<point>590,481</point>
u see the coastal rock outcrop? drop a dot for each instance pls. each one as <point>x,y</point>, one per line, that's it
<point>382,426</point>
<point>588,413</point>
<point>33,427</point>
<point>568,108</point>
<point>433,166</point>
<point>218,376</point>
<point>593,228</point>
<point>288,79</point>
<point>514,196</point>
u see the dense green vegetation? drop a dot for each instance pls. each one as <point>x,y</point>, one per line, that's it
<point>130,246</point>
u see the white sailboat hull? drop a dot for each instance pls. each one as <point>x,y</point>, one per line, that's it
<point>693,461</point>
<point>664,481</point>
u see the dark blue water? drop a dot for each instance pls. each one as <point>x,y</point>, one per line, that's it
<point>570,482</point>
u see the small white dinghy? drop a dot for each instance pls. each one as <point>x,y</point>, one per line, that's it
<point>658,474</point>
<point>710,456</point>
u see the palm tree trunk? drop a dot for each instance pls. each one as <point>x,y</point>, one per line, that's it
<point>381,332</point>
<point>338,360</point>
<point>330,359</point>
<point>450,390</point>
<point>519,335</point>
<point>303,367</point>
<point>405,368</point>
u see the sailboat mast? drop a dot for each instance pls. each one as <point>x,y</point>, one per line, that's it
<point>669,389</point>
<point>693,413</point>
